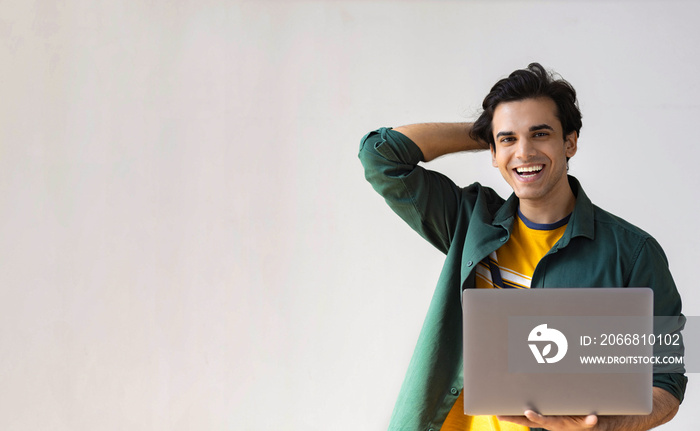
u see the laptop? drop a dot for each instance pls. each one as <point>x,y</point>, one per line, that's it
<point>523,350</point>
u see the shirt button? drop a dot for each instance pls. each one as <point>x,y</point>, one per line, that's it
<point>454,391</point>
<point>470,263</point>
<point>504,239</point>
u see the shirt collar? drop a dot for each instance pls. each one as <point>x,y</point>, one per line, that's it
<point>580,224</point>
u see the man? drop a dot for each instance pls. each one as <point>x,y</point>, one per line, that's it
<point>547,234</point>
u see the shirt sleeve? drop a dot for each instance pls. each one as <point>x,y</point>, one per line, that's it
<point>428,201</point>
<point>651,270</point>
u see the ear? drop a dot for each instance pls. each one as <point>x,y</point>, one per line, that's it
<point>570,144</point>
<point>494,163</point>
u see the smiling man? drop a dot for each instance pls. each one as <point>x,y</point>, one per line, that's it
<point>547,234</point>
<point>530,155</point>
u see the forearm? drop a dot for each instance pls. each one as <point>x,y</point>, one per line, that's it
<point>664,409</point>
<point>438,139</point>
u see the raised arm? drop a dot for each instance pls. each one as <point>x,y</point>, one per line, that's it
<point>428,201</point>
<point>438,139</point>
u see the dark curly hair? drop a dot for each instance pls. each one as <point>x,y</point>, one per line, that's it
<point>529,83</point>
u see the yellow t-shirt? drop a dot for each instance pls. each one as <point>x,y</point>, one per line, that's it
<point>511,266</point>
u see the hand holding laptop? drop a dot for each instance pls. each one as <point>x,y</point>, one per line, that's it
<point>665,406</point>
<point>553,423</point>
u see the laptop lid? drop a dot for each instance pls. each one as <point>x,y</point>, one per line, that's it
<point>523,349</point>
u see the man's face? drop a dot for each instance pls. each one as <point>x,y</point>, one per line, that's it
<point>531,150</point>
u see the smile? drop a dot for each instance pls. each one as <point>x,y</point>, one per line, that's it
<point>529,171</point>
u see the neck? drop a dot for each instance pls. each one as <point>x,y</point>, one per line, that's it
<point>551,210</point>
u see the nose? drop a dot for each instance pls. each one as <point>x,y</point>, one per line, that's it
<point>525,149</point>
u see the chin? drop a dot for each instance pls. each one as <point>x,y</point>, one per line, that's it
<point>526,194</point>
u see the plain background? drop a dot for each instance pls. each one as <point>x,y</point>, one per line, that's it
<point>188,242</point>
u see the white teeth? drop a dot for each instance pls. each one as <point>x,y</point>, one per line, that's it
<point>535,168</point>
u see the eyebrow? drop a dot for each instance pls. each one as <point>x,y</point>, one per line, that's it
<point>541,126</point>
<point>532,129</point>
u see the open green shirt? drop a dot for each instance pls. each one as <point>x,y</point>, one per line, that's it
<point>597,249</point>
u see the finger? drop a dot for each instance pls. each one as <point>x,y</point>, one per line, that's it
<point>520,420</point>
<point>563,422</point>
<point>535,417</point>
<point>590,420</point>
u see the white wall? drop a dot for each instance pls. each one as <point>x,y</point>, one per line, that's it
<point>188,240</point>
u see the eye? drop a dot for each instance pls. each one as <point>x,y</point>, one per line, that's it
<point>540,134</point>
<point>507,139</point>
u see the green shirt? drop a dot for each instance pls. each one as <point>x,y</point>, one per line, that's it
<point>597,249</point>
